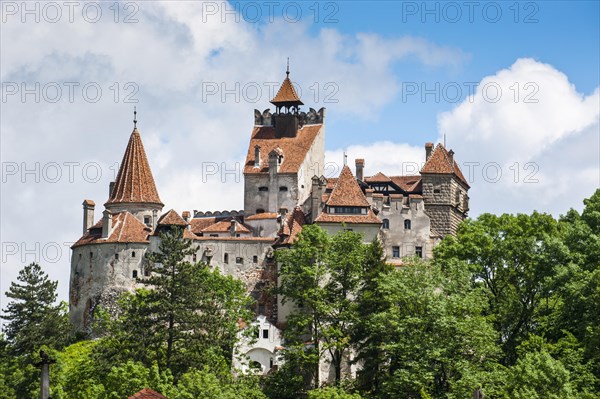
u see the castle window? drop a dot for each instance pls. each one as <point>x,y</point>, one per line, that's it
<point>133,254</point>
<point>260,210</point>
<point>386,223</point>
<point>116,256</point>
<point>436,190</point>
<point>271,363</point>
<point>79,256</point>
<point>419,251</point>
<point>226,258</point>
<point>134,274</point>
<point>213,235</point>
<point>237,234</point>
<point>255,259</point>
<point>265,334</point>
<point>146,219</point>
<point>263,188</point>
<point>395,252</point>
<point>283,188</point>
<point>261,308</point>
<point>146,272</point>
<point>91,255</point>
<point>239,260</point>
<point>194,257</point>
<point>407,224</point>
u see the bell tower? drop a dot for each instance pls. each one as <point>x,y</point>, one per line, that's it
<point>286,118</point>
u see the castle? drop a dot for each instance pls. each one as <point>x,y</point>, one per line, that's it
<point>284,189</point>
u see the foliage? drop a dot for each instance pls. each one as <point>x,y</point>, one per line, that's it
<point>188,317</point>
<point>331,393</point>
<point>33,318</point>
<point>321,276</point>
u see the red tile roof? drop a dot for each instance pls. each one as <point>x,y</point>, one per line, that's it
<point>246,238</point>
<point>441,162</point>
<point>134,181</point>
<point>199,224</point>
<point>378,178</point>
<point>125,228</point>
<point>369,218</point>
<point>147,393</point>
<point>224,226</point>
<point>292,226</point>
<point>171,218</point>
<point>294,148</point>
<point>260,216</point>
<point>406,183</point>
<point>347,191</point>
<point>286,94</point>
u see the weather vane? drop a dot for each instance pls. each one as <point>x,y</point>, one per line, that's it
<point>134,117</point>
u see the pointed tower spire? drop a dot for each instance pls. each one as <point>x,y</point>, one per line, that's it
<point>135,183</point>
<point>287,96</point>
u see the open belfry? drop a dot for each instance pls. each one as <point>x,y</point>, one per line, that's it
<point>284,189</point>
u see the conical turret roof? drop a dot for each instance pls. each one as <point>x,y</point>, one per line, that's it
<point>135,183</point>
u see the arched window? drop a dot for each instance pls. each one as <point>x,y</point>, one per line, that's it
<point>407,224</point>
<point>133,254</point>
<point>386,223</point>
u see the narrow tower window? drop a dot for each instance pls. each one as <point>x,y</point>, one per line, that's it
<point>407,224</point>
<point>386,223</point>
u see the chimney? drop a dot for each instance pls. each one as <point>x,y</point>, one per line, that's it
<point>154,218</point>
<point>111,187</point>
<point>106,223</point>
<point>257,156</point>
<point>360,165</point>
<point>316,196</point>
<point>186,216</point>
<point>428,149</point>
<point>451,153</point>
<point>88,214</point>
<point>232,227</point>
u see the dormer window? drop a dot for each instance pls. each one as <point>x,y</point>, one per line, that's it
<point>355,210</point>
<point>146,220</point>
<point>263,188</point>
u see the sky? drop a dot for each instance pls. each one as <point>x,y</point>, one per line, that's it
<point>511,87</point>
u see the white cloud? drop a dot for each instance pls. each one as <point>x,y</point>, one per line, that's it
<point>390,158</point>
<point>543,140</point>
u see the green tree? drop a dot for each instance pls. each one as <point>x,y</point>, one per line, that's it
<point>186,317</point>
<point>369,301</point>
<point>517,260</point>
<point>332,393</point>
<point>33,317</point>
<point>321,276</point>
<point>431,336</point>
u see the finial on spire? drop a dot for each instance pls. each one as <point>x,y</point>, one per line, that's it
<point>444,139</point>
<point>345,158</point>
<point>134,117</point>
<point>287,71</point>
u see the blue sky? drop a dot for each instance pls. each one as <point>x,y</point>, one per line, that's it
<point>534,147</point>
